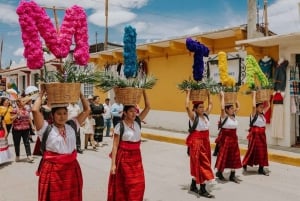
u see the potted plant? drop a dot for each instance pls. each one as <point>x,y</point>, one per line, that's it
<point>199,89</point>
<point>256,80</point>
<point>198,86</point>
<point>63,85</point>
<point>228,83</point>
<point>128,90</point>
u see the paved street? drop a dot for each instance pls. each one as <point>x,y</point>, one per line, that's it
<point>167,178</point>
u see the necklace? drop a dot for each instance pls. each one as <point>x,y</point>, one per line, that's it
<point>130,125</point>
<point>62,131</point>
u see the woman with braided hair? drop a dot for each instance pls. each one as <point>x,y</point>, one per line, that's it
<point>257,153</point>
<point>229,153</point>
<point>199,146</point>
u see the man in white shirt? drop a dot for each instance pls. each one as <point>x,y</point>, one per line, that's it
<point>116,112</point>
<point>73,111</point>
<point>107,116</point>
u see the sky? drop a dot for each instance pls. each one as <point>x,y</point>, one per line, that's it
<point>153,19</point>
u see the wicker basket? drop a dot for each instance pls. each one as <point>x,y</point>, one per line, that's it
<point>230,98</point>
<point>60,93</point>
<point>128,95</point>
<point>262,95</point>
<point>198,95</point>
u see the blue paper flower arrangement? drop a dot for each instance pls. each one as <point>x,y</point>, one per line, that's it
<point>129,53</point>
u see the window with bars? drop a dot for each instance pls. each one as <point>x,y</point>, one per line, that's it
<point>88,89</point>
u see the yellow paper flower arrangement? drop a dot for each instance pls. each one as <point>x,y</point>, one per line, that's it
<point>226,80</point>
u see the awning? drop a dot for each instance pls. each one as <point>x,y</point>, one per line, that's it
<point>277,40</point>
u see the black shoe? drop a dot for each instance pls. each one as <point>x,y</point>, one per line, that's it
<point>220,176</point>
<point>245,168</point>
<point>193,187</point>
<point>233,178</point>
<point>204,193</point>
<point>262,171</point>
<point>79,151</point>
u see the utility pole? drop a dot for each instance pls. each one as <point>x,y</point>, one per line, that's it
<point>266,17</point>
<point>96,35</point>
<point>106,24</point>
<point>58,66</point>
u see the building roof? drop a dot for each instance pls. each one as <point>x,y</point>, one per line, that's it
<point>280,40</point>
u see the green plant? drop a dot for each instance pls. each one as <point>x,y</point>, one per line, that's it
<point>230,89</point>
<point>208,84</point>
<point>268,85</point>
<point>108,80</point>
<point>69,72</point>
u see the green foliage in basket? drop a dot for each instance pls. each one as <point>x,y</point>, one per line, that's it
<point>269,85</point>
<point>109,80</point>
<point>229,89</point>
<point>208,84</point>
<point>71,73</point>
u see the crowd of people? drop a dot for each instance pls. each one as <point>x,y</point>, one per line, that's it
<point>58,129</point>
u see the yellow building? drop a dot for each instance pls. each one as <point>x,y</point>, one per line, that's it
<point>171,62</point>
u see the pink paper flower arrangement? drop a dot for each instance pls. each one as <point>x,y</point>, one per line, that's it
<point>34,21</point>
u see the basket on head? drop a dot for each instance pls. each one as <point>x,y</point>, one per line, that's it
<point>128,95</point>
<point>58,93</point>
<point>262,95</point>
<point>230,98</point>
<point>198,95</point>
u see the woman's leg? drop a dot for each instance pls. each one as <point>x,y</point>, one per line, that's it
<point>86,140</point>
<point>25,137</point>
<point>17,140</point>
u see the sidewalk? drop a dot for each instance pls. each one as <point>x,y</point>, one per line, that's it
<point>284,155</point>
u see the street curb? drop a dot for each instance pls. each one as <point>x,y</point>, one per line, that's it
<point>278,158</point>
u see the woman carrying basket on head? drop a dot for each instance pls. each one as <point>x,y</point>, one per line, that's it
<point>257,153</point>
<point>229,153</point>
<point>199,145</point>
<point>126,180</point>
<point>59,171</point>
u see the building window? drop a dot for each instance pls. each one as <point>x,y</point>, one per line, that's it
<point>88,89</point>
<point>36,79</point>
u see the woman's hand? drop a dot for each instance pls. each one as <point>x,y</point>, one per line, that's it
<point>113,169</point>
<point>221,93</point>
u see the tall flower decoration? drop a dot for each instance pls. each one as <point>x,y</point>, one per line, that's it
<point>129,54</point>
<point>252,70</point>
<point>225,79</point>
<point>200,51</point>
<point>34,21</point>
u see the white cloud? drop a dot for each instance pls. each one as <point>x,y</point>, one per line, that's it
<point>19,51</point>
<point>115,17</point>
<point>283,16</point>
<point>8,14</point>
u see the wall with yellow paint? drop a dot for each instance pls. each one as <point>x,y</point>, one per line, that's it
<point>173,69</point>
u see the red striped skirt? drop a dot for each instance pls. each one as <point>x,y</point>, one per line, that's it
<point>60,178</point>
<point>200,156</point>
<point>257,153</point>
<point>229,153</point>
<point>128,184</point>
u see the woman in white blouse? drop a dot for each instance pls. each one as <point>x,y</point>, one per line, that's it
<point>126,181</point>
<point>199,145</point>
<point>229,153</point>
<point>257,153</point>
<point>59,171</point>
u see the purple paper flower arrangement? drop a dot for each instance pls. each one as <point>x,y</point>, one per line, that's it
<point>200,51</point>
